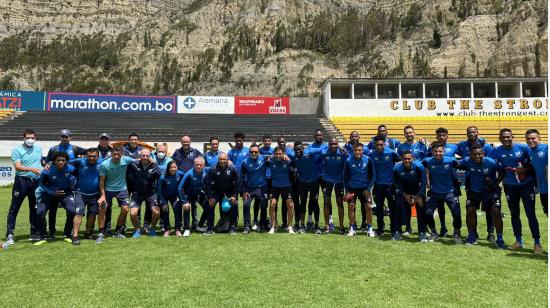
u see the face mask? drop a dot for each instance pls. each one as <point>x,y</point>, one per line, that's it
<point>161,155</point>
<point>29,142</point>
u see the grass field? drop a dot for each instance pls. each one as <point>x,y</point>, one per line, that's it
<point>280,270</point>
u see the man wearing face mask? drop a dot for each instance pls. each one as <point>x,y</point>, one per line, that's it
<point>26,159</point>
<point>132,148</point>
<point>104,147</point>
<point>159,156</point>
<point>185,159</point>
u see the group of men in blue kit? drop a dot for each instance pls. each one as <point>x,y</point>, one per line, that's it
<point>386,176</point>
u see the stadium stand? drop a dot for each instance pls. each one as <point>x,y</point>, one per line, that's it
<point>425,126</point>
<point>166,127</point>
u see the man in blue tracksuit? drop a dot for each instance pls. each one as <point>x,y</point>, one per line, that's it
<point>539,160</point>
<point>27,161</point>
<point>289,152</point>
<point>211,157</point>
<point>281,174</point>
<point>185,159</point>
<point>73,152</point>
<point>419,151</point>
<point>463,151</point>
<point>409,177</point>
<point>87,192</point>
<point>315,151</point>
<point>384,159</point>
<point>223,181</point>
<point>391,143</point>
<point>441,177</point>
<point>253,179</point>
<point>142,178</point>
<point>191,192</point>
<point>308,178</point>
<point>481,189</point>
<point>162,160</point>
<point>238,153</point>
<point>449,150</point>
<point>359,175</point>
<point>266,151</point>
<point>513,158</point>
<point>56,186</point>
<point>353,139</point>
<point>333,159</point>
<point>167,193</point>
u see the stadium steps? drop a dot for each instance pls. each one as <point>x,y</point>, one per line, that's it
<point>425,127</point>
<point>154,127</point>
<point>332,130</point>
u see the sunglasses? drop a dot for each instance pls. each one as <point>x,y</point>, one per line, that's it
<point>253,152</point>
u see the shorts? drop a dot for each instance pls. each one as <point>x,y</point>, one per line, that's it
<point>328,187</point>
<point>360,193</point>
<point>284,192</point>
<point>82,201</point>
<point>121,197</point>
<point>137,199</point>
<point>487,202</point>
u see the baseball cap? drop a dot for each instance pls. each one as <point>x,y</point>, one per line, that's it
<point>105,135</point>
<point>65,132</point>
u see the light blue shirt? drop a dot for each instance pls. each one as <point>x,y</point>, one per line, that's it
<point>28,157</point>
<point>115,174</point>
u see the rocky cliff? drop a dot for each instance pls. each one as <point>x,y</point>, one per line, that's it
<point>262,47</point>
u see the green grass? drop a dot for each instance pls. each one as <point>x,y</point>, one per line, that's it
<point>279,270</point>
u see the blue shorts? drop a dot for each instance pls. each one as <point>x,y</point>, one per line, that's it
<point>121,197</point>
<point>137,199</point>
<point>82,201</point>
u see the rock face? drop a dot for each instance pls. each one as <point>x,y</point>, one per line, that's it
<point>262,47</point>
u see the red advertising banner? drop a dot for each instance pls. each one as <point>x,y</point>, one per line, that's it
<point>262,105</point>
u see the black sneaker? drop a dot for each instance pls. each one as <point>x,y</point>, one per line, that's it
<point>491,238</point>
<point>246,230</point>
<point>89,236</point>
<point>76,240</point>
<point>342,231</point>
<point>51,236</point>
<point>443,232</point>
<point>232,231</point>
<point>364,227</point>
<point>208,232</point>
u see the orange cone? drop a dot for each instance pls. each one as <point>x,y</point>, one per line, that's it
<point>413,210</point>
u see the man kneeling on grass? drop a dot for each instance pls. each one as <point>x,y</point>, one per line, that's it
<point>55,186</point>
<point>142,179</point>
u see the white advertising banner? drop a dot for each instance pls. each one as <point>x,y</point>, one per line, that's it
<point>439,107</point>
<point>206,104</point>
<point>7,171</point>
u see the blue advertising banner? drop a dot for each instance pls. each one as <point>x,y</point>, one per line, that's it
<point>110,103</point>
<point>22,100</point>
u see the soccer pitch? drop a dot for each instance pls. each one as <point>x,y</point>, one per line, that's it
<point>279,270</point>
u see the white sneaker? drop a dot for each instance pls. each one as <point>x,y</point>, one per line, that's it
<point>271,231</point>
<point>9,240</point>
<point>186,233</point>
<point>290,230</point>
<point>371,233</point>
<point>351,232</point>
<point>255,227</point>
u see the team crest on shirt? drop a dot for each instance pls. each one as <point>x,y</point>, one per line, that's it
<point>485,170</point>
<point>387,158</point>
<point>251,165</point>
<point>446,166</point>
<point>503,155</point>
<point>540,154</point>
<point>412,172</point>
<point>191,154</point>
<point>228,172</point>
<point>218,173</point>
<point>54,177</point>
<point>353,165</point>
<point>67,174</point>
<point>518,154</point>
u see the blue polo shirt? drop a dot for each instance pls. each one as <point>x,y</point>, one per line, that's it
<point>464,148</point>
<point>237,157</point>
<point>253,172</point>
<point>449,150</point>
<point>478,172</point>
<point>383,164</point>
<point>441,173</point>
<point>211,158</point>
<point>30,157</point>
<point>87,176</point>
<point>512,158</point>
<point>418,149</point>
<point>333,165</point>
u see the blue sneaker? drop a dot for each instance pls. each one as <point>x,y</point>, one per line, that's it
<point>136,234</point>
<point>500,244</point>
<point>152,232</point>
<point>471,240</point>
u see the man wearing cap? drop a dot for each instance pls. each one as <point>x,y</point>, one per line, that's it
<point>104,146</point>
<point>105,152</point>
<point>26,159</point>
<point>73,152</point>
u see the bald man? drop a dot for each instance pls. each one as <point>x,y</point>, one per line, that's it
<point>142,178</point>
<point>220,182</point>
<point>185,159</point>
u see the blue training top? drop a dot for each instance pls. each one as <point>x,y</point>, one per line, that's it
<point>441,174</point>
<point>383,164</point>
